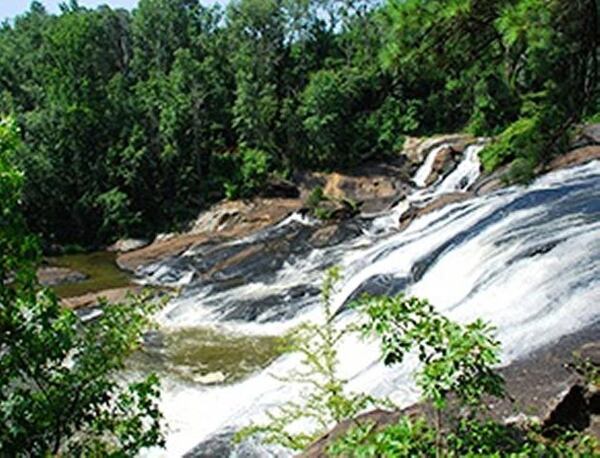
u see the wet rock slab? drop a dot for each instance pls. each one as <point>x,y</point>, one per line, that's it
<point>575,157</point>
<point>93,299</point>
<point>224,221</point>
<point>126,245</point>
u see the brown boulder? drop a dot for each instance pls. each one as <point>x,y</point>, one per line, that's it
<point>91,299</point>
<point>374,184</point>
<point>416,148</point>
<point>125,245</point>
<point>359,188</point>
<point>575,157</point>
<point>445,161</point>
<point>52,276</point>
<point>333,209</point>
<point>223,221</point>
<point>323,235</point>
<point>278,187</point>
<point>490,182</point>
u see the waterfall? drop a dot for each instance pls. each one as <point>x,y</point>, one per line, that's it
<point>426,168</point>
<point>527,259</point>
<point>461,178</point>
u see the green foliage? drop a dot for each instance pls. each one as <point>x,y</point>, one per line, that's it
<point>333,112</point>
<point>326,400</point>
<point>325,207</point>
<point>315,197</point>
<point>458,359</point>
<point>586,368</point>
<point>250,172</point>
<point>405,438</point>
<point>316,204</point>
<point>519,140</point>
<point>486,60</point>
<point>58,390</point>
<point>467,438</point>
<point>116,211</point>
<point>18,252</point>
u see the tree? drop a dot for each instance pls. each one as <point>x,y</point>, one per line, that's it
<point>258,32</point>
<point>59,386</point>
<point>132,119</point>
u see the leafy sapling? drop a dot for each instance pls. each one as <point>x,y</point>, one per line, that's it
<point>325,400</point>
<point>456,359</point>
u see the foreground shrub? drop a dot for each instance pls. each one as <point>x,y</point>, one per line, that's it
<point>60,394</point>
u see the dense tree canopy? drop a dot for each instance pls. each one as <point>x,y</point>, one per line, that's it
<point>133,121</point>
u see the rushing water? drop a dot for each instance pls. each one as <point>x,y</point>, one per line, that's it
<point>525,258</point>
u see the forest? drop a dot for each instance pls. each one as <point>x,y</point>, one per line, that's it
<point>134,121</point>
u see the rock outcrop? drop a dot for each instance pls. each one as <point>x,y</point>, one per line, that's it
<point>445,161</point>
<point>575,157</point>
<point>372,187</point>
<point>52,276</point>
<point>438,203</point>
<point>225,221</point>
<point>126,245</point>
<point>92,299</point>
<point>416,148</point>
<point>586,136</point>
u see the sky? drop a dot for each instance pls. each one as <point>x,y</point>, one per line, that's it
<point>10,8</point>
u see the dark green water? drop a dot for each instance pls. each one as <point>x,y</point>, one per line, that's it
<point>100,268</point>
<point>206,355</point>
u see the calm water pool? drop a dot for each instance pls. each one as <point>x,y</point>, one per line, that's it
<point>100,268</point>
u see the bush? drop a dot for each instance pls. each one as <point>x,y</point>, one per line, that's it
<point>326,400</point>
<point>249,174</point>
<point>117,217</point>
<point>466,438</point>
<point>405,438</point>
<point>456,359</point>
<point>521,139</point>
<point>315,197</point>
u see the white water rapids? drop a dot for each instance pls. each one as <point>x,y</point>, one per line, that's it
<point>526,259</point>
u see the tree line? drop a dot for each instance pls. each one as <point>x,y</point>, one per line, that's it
<point>133,121</point>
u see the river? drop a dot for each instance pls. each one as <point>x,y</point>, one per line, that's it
<point>527,259</point>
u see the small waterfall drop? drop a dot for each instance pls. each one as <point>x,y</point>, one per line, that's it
<point>426,168</point>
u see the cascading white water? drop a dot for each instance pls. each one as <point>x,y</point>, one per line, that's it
<point>426,168</point>
<point>465,174</point>
<point>460,179</point>
<point>525,259</point>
